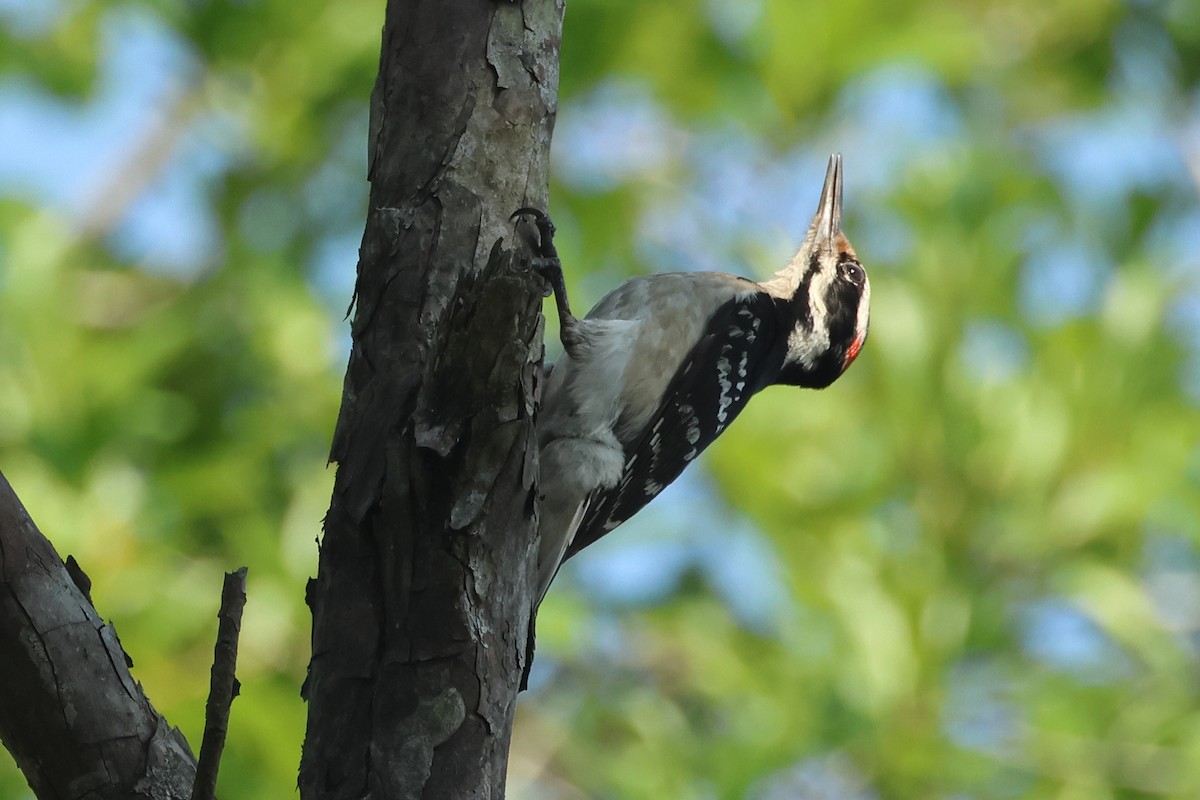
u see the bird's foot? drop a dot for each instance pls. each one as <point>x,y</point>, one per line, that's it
<point>548,265</point>
<point>543,246</point>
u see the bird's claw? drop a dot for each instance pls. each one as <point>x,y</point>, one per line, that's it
<point>547,264</point>
<point>545,225</point>
<point>544,246</point>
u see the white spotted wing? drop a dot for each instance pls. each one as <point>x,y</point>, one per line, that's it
<point>732,361</point>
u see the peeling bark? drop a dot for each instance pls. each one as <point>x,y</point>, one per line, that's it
<point>422,602</point>
<point>72,716</point>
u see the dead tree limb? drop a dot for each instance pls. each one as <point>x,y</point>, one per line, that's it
<point>223,685</point>
<point>70,713</point>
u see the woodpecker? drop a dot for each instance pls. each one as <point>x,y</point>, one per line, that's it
<point>664,363</point>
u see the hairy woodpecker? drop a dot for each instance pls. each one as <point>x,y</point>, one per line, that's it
<point>663,363</point>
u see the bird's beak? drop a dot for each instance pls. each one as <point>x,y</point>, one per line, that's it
<point>828,221</point>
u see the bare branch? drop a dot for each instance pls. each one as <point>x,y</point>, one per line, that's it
<point>223,686</point>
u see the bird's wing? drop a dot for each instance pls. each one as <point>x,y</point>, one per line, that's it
<point>734,358</point>
<point>553,551</point>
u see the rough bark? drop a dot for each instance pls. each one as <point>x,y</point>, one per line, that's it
<point>422,601</point>
<point>72,716</point>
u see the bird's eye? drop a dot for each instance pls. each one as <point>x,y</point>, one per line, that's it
<point>855,274</point>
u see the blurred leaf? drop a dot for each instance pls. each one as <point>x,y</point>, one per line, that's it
<point>978,554</point>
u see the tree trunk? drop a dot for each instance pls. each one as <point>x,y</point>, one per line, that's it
<point>422,602</point>
<point>73,718</point>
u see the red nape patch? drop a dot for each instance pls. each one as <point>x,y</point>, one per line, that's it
<point>852,352</point>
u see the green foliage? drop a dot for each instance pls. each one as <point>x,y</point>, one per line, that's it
<point>985,535</point>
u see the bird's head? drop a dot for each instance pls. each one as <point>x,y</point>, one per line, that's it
<point>826,295</point>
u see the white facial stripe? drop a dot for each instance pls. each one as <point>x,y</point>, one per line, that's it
<point>806,346</point>
<point>785,282</point>
<point>864,310</point>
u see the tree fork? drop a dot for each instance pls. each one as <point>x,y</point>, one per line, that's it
<point>422,600</point>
